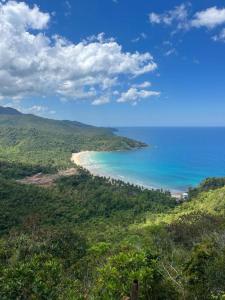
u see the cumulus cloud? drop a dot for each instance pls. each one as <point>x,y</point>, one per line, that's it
<point>210,18</point>
<point>180,17</point>
<point>19,16</point>
<point>34,64</point>
<point>134,95</point>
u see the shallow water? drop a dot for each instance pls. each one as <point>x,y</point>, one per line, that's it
<point>176,158</point>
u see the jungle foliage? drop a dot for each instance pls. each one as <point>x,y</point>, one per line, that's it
<point>89,238</point>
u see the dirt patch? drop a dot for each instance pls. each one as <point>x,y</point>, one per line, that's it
<point>47,179</point>
<point>68,172</point>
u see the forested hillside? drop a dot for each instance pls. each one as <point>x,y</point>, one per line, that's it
<point>50,142</point>
<point>86,237</point>
<point>89,238</point>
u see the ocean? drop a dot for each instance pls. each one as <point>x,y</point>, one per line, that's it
<point>175,159</point>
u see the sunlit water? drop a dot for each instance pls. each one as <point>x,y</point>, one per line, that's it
<point>176,158</point>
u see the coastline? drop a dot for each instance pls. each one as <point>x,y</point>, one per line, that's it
<point>85,160</point>
<point>78,157</point>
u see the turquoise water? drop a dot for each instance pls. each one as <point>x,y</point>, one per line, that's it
<point>176,158</point>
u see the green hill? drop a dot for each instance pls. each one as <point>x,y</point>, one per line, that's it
<point>29,138</point>
<point>89,238</point>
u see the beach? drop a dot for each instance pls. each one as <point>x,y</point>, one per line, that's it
<point>80,158</point>
<point>86,160</point>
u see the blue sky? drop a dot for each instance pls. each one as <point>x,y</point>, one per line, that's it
<point>72,71</point>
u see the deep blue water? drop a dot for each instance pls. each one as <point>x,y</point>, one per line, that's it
<point>177,158</point>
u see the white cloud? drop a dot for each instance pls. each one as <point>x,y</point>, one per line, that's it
<point>68,7</point>
<point>210,18</point>
<point>142,85</point>
<point>170,52</point>
<point>177,15</point>
<point>39,110</point>
<point>134,95</point>
<point>155,18</point>
<point>220,36</point>
<point>168,48</point>
<point>33,64</point>
<point>35,109</point>
<point>19,16</point>
<point>100,101</point>
<point>181,18</point>
<point>142,36</point>
<point>116,93</point>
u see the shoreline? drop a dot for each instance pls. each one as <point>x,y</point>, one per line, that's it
<point>84,160</point>
<point>77,157</point>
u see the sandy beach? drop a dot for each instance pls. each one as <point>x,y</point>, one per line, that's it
<point>85,159</point>
<point>79,158</point>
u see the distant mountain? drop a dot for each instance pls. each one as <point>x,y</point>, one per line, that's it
<point>33,139</point>
<point>9,111</point>
<point>13,117</point>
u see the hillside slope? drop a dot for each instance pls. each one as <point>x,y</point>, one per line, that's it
<point>89,238</point>
<point>44,141</point>
<point>9,111</point>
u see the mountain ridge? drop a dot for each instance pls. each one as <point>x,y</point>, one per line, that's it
<point>9,111</point>
<point>27,137</point>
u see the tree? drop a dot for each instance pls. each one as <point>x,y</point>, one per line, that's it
<point>117,277</point>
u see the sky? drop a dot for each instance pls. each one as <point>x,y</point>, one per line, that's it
<point>115,62</point>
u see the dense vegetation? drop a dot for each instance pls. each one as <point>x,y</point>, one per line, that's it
<point>208,184</point>
<point>87,237</point>
<point>50,142</point>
